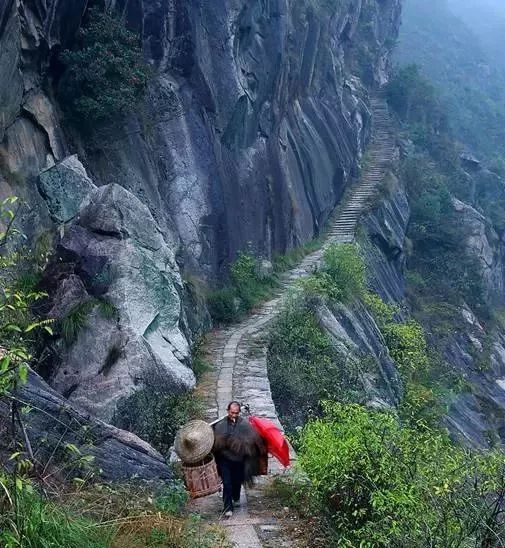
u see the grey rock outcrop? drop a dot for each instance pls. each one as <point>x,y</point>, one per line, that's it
<point>53,423</point>
<point>483,243</point>
<point>477,414</point>
<point>256,117</point>
<point>386,228</point>
<point>124,273</point>
<point>64,187</point>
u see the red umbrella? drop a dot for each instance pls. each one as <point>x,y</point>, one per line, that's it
<point>276,442</point>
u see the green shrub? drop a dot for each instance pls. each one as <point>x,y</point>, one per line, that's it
<point>37,523</point>
<point>248,288</point>
<point>304,367</point>
<point>172,499</point>
<point>414,99</point>
<point>383,313</point>
<point>407,345</point>
<point>320,284</point>
<point>222,305</point>
<point>383,485</point>
<point>347,269</point>
<point>105,75</point>
<point>155,416</point>
<point>341,278</point>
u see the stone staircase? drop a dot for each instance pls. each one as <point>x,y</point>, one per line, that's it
<point>239,354</point>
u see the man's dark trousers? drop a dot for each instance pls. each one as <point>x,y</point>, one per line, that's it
<point>232,474</point>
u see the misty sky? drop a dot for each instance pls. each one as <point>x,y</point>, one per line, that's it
<point>497,6</point>
<point>487,19</point>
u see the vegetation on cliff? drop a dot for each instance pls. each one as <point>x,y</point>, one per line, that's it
<point>376,478</point>
<point>104,73</point>
<point>461,63</point>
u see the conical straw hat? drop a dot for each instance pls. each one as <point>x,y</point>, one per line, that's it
<point>194,441</point>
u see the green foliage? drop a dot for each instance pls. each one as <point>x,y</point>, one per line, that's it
<point>421,405</point>
<point>304,367</point>
<point>249,285</point>
<point>344,265</point>
<point>37,523</point>
<point>155,415</point>
<point>407,346</point>
<point>320,284</point>
<point>413,98</point>
<point>172,499</point>
<point>383,313</point>
<point>440,258</point>
<point>105,75</point>
<point>200,365</point>
<point>222,305</point>
<point>380,484</point>
<point>342,276</point>
<point>247,289</point>
<point>18,294</point>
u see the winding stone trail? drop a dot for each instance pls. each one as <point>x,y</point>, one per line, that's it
<point>239,354</point>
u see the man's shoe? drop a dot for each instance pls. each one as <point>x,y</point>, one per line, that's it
<point>228,514</point>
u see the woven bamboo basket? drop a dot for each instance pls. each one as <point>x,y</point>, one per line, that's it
<point>202,478</point>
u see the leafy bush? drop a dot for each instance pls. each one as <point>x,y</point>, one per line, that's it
<point>320,284</point>
<point>172,499</point>
<point>37,523</point>
<point>248,289</point>
<point>250,286</point>
<point>155,415</point>
<point>105,75</point>
<point>347,269</point>
<point>407,345</point>
<point>383,485</point>
<point>304,367</point>
<point>222,305</point>
<point>421,405</point>
<point>342,275</point>
<point>414,99</point>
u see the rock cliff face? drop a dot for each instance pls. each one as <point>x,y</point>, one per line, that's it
<point>255,120</point>
<point>478,348</point>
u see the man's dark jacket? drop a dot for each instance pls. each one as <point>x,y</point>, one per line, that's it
<point>237,442</point>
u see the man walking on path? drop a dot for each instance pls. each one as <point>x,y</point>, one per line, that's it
<point>237,448</point>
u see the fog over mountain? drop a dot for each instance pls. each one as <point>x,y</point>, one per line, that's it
<point>459,45</point>
<point>487,19</point>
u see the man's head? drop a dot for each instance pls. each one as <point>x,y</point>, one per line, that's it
<point>233,410</point>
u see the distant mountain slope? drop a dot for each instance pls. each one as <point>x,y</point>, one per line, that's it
<point>463,67</point>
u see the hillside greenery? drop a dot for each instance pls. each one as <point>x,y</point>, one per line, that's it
<point>457,58</point>
<point>374,478</point>
<point>440,268</point>
<point>104,73</point>
<point>380,483</point>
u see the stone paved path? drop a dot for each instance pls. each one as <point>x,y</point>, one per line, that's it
<point>238,354</point>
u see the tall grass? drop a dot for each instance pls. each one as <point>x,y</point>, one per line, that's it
<point>33,522</point>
